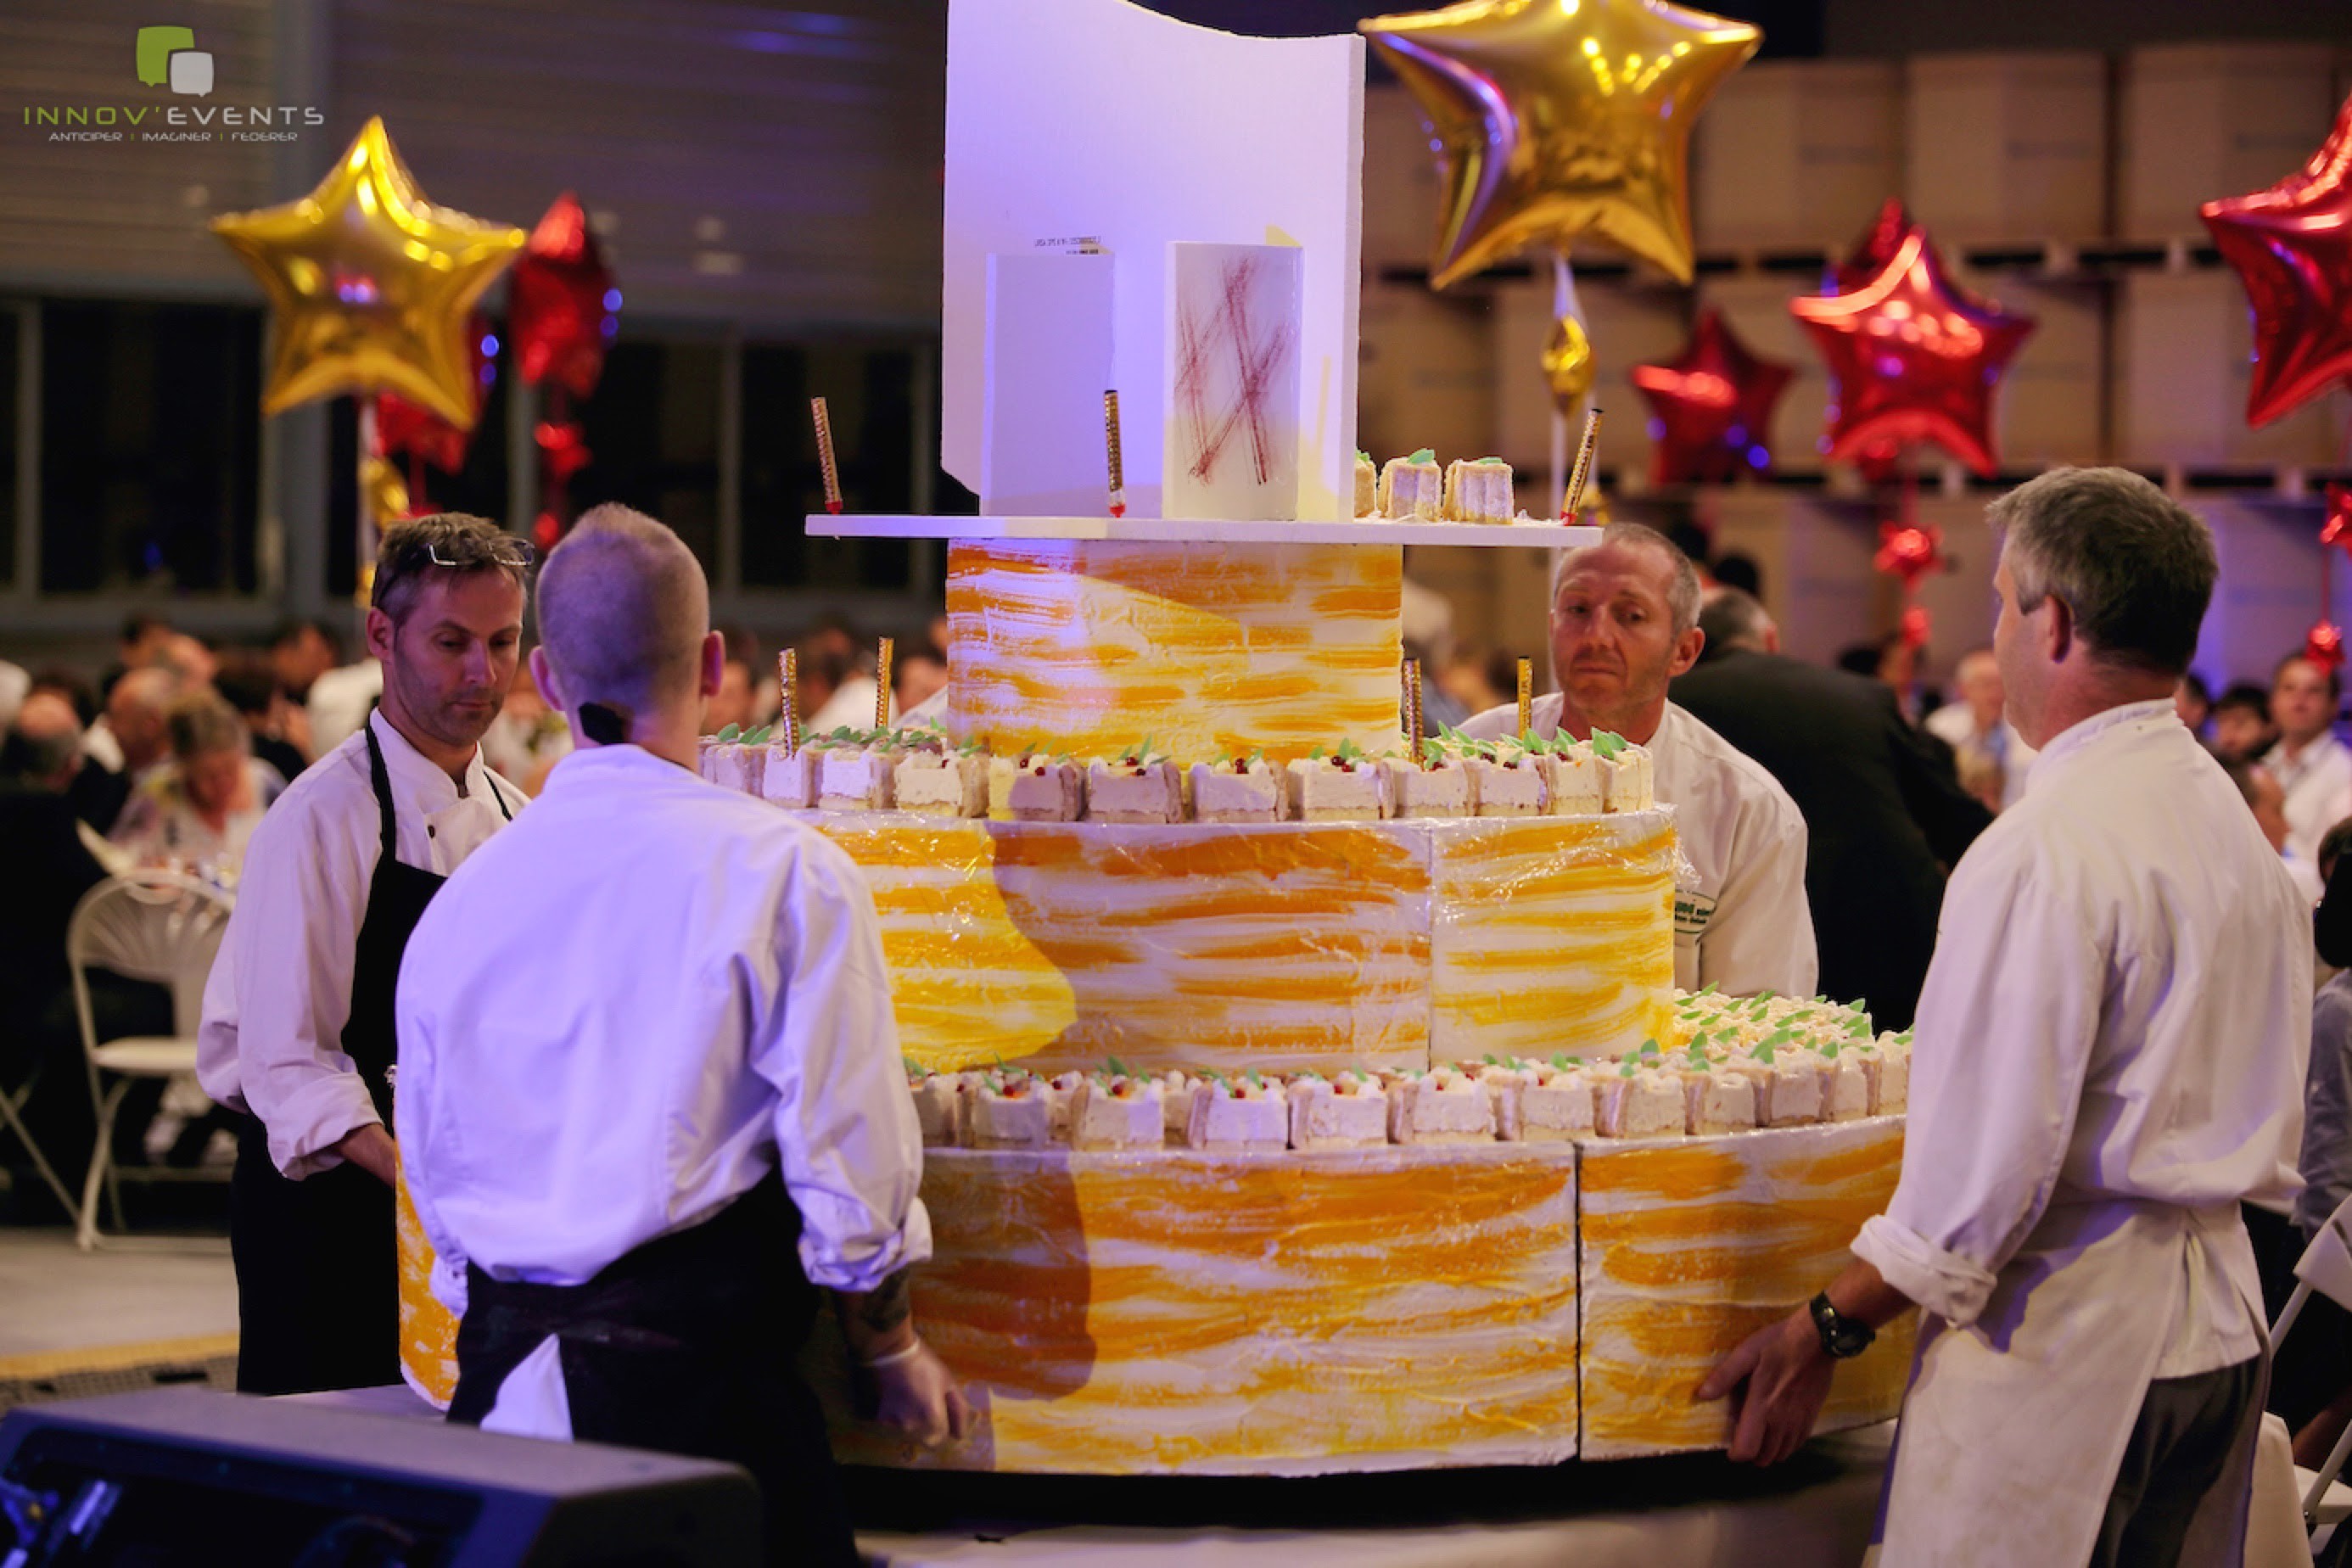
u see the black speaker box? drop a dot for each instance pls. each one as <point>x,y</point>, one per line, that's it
<point>192,1477</point>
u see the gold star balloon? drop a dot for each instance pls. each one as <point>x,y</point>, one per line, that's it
<point>369,285</point>
<point>1556,119</point>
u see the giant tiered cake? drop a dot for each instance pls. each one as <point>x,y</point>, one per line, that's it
<point>1298,1100</point>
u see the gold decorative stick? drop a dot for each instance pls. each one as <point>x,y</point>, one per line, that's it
<point>1412,713</point>
<point>1117,468</point>
<point>882,685</point>
<point>824,455</point>
<point>788,676</point>
<point>1577,475</point>
<point>1527,696</point>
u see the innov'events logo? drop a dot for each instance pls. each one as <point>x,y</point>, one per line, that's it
<point>167,57</point>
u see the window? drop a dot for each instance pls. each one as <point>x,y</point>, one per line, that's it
<point>150,446</point>
<point>652,429</point>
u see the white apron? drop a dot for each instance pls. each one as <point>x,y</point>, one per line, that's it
<point>2014,1429</point>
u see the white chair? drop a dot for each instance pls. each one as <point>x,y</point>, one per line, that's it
<point>2325,1267</point>
<point>12,1120</point>
<point>153,926</point>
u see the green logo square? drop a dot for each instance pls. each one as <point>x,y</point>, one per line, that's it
<point>155,47</point>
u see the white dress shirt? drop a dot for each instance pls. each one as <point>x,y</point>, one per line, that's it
<point>280,990</point>
<point>633,1007</point>
<point>1741,922</point>
<point>2110,1057</point>
<point>2319,786</point>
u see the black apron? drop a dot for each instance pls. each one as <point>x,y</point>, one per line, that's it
<point>318,1273</point>
<point>686,1345</point>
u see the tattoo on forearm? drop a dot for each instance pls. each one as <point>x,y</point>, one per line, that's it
<point>885,1306</point>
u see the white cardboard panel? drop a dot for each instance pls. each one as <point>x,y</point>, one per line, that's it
<point>1097,120</point>
<point>1047,362</point>
<point>1231,398</point>
<point>2007,147</point>
<point>1797,153</point>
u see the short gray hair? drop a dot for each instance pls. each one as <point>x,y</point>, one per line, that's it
<point>623,609</point>
<point>202,721</point>
<point>1732,617</point>
<point>1682,585</point>
<point>2134,567</point>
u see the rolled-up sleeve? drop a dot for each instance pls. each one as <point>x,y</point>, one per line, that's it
<point>848,1144</point>
<point>2006,1023</point>
<point>273,1029</point>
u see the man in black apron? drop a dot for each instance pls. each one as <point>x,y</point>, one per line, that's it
<point>298,1030</point>
<point>651,1097</point>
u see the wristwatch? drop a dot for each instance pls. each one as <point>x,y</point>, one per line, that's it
<point>1843,1338</point>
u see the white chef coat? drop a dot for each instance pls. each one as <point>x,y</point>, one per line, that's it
<point>2110,1057</point>
<point>280,989</point>
<point>1742,922</point>
<point>2319,786</point>
<point>632,1008</point>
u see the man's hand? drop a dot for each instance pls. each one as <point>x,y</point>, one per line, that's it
<point>918,1397</point>
<point>1777,1379</point>
<point>371,1148</point>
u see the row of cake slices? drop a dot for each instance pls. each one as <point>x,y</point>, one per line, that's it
<point>1413,490</point>
<point>1691,1093</point>
<point>921,769</point>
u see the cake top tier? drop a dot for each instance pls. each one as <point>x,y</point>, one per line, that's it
<point>1202,531</point>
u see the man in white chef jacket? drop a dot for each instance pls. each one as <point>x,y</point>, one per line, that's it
<point>2110,1057</point>
<point>2310,763</point>
<point>1624,622</point>
<point>651,1100</point>
<point>298,1012</point>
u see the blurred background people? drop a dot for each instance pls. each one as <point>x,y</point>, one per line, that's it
<point>2310,763</point>
<point>2241,722</point>
<point>1992,759</point>
<point>200,808</point>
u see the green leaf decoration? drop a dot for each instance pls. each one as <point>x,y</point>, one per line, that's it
<point>1560,1060</point>
<point>1607,744</point>
<point>1422,455</point>
<point>1626,1070</point>
<point>1763,1053</point>
<point>1116,1066</point>
<point>729,735</point>
<point>1649,1049</point>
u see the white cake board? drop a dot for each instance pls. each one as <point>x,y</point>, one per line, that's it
<point>1204,529</point>
<point>1078,124</point>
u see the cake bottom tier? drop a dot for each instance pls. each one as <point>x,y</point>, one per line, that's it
<point>1174,1312</point>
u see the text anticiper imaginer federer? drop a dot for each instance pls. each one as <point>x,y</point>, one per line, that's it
<point>151,123</point>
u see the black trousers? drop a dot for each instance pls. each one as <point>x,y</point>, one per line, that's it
<point>685,1345</point>
<point>2187,1431</point>
<point>317,1275</point>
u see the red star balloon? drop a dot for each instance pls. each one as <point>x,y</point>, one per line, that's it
<point>2291,246</point>
<point>1874,250</point>
<point>2323,645</point>
<point>2337,530</point>
<point>1909,552</point>
<point>1915,358</point>
<point>1710,406</point>
<point>563,308</point>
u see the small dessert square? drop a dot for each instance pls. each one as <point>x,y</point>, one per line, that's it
<point>1444,1106</point>
<point>1626,779</point>
<point>1367,486</point>
<point>1558,1106</point>
<point>1441,788</point>
<point>1349,1109</point>
<point>1034,787</point>
<point>1511,785</point>
<point>1347,788</point>
<point>1892,1091</point>
<point>942,782</point>
<point>1238,1113</point>
<point>1845,1085</point>
<point>1114,1111</point>
<point>1637,1101</point>
<point>732,764</point>
<point>1061,1095</point>
<point>1176,1090</point>
<point>789,778</point>
<point>1134,789</point>
<point>1008,1110</point>
<point>1719,1100</point>
<point>1478,490</point>
<point>1412,488</point>
<point>939,1105</point>
<point>1788,1089</point>
<point>1243,790</point>
<point>1571,780</point>
<point>1507,1085</point>
<point>857,778</point>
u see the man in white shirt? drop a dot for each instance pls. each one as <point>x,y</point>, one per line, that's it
<point>297,1016</point>
<point>651,1097</point>
<point>2110,1057</point>
<point>2310,763</point>
<point>1993,758</point>
<point>1624,621</point>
